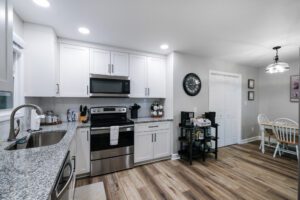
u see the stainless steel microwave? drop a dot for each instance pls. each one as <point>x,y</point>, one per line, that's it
<point>109,87</point>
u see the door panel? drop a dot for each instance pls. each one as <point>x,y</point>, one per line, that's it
<point>138,75</point>
<point>74,71</point>
<point>82,151</point>
<point>225,100</point>
<point>120,64</point>
<point>162,144</point>
<point>143,147</point>
<point>99,62</point>
<point>156,77</point>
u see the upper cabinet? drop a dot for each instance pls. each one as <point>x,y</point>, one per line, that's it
<point>74,71</point>
<point>6,52</point>
<point>109,63</point>
<point>40,61</point>
<point>148,77</point>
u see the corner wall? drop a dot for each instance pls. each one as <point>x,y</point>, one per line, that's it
<point>184,64</point>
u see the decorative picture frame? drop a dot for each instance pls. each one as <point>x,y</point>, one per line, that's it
<point>251,83</point>
<point>251,95</point>
<point>294,88</point>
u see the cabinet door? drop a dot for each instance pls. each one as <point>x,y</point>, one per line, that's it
<point>162,144</point>
<point>119,64</point>
<point>74,71</point>
<point>40,61</point>
<point>143,146</point>
<point>156,78</point>
<point>138,75</point>
<point>6,52</point>
<point>100,62</point>
<point>82,151</point>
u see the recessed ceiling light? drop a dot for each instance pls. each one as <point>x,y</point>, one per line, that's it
<point>42,3</point>
<point>84,30</point>
<point>164,46</point>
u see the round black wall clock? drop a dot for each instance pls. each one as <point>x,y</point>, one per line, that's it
<point>192,84</point>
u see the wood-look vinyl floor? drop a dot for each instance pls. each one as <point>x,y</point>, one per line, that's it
<point>241,172</point>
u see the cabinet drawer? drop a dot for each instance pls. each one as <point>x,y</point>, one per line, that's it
<point>153,126</point>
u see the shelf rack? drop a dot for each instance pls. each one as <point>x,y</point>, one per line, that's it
<point>191,147</point>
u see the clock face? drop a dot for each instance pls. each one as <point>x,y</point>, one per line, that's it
<point>191,84</point>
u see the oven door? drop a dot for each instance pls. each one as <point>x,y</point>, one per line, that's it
<point>103,87</point>
<point>100,142</point>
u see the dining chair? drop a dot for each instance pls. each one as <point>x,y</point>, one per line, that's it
<point>262,118</point>
<point>286,131</point>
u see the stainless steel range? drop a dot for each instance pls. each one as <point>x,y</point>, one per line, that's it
<point>105,156</point>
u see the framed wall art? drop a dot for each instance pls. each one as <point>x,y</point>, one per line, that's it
<point>251,83</point>
<point>294,88</point>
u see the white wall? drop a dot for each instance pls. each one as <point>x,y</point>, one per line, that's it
<point>274,93</point>
<point>184,64</point>
<point>18,25</point>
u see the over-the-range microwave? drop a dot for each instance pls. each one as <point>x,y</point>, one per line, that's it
<point>109,86</point>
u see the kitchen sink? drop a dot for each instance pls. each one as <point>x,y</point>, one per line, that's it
<point>38,140</point>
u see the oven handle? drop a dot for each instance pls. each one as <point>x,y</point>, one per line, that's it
<point>58,194</point>
<point>108,128</point>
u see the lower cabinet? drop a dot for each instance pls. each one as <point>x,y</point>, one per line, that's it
<point>152,141</point>
<point>82,151</point>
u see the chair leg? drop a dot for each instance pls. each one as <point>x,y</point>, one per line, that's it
<point>297,151</point>
<point>276,149</point>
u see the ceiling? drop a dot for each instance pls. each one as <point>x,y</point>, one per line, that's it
<point>240,31</point>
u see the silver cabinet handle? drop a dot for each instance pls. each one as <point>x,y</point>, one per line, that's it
<point>87,90</point>
<point>148,91</point>
<point>108,68</point>
<point>153,126</point>
<point>155,137</point>
<point>152,137</point>
<point>57,88</point>
<point>112,68</point>
<point>87,135</point>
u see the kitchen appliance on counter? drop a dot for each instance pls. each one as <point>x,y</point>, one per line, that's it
<point>103,86</point>
<point>157,110</point>
<point>186,119</point>
<point>65,184</point>
<point>105,156</point>
<point>134,111</point>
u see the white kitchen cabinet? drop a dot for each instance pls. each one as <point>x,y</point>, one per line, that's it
<point>74,71</point>
<point>156,71</point>
<point>147,77</point>
<point>151,141</point>
<point>99,62</point>
<point>119,64</point>
<point>143,147</point>
<point>109,63</point>
<point>138,76</point>
<point>82,151</point>
<point>40,61</point>
<point>161,143</point>
<point>6,51</point>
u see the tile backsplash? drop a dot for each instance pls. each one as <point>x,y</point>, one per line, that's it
<point>61,105</point>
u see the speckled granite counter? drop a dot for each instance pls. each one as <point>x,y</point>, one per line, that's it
<point>150,119</point>
<point>31,173</point>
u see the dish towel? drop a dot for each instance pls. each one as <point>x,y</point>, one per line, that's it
<point>114,135</point>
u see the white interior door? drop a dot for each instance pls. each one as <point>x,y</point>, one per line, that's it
<point>225,100</point>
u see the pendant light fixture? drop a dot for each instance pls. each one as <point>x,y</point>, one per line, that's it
<point>277,67</point>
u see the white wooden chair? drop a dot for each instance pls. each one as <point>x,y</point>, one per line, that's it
<point>262,118</point>
<point>286,134</point>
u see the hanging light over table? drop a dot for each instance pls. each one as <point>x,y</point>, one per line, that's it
<point>277,66</point>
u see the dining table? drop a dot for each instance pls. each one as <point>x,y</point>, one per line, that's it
<point>263,127</point>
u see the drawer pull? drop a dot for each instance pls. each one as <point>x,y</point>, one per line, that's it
<point>152,126</point>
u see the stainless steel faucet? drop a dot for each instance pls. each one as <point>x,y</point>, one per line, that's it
<point>12,132</point>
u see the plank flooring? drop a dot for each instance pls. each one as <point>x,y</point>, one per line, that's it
<point>241,172</point>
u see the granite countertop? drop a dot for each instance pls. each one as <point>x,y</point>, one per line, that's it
<point>150,119</point>
<point>31,173</point>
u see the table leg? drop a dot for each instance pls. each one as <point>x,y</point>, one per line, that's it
<point>262,131</point>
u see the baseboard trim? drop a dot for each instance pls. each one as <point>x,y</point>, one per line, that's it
<point>244,141</point>
<point>175,156</point>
